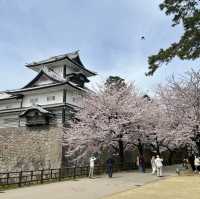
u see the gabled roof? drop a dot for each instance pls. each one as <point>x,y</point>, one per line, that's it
<point>49,74</point>
<point>57,80</point>
<point>72,57</point>
<point>37,108</point>
<point>69,83</point>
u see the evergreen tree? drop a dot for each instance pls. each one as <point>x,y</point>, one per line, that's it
<point>115,82</point>
<point>187,14</point>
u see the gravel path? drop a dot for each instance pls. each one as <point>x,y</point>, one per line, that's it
<point>84,188</point>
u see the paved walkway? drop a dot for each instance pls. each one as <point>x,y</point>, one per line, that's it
<point>84,188</point>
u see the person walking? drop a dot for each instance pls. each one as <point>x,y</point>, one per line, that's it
<point>191,161</point>
<point>138,162</point>
<point>159,166</point>
<point>91,172</point>
<point>109,163</point>
<point>185,163</point>
<point>153,165</point>
<point>197,164</point>
<point>142,163</point>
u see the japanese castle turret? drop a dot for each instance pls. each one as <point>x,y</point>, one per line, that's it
<point>51,97</point>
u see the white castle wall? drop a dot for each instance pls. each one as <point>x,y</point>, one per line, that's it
<point>10,104</point>
<point>42,98</point>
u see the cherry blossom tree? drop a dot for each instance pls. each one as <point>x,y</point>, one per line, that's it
<point>164,134</point>
<point>118,118</point>
<point>181,101</point>
<point>111,118</point>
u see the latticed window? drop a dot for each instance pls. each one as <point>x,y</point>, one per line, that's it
<point>51,98</point>
<point>34,100</point>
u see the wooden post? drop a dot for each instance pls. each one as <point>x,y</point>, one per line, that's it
<point>51,174</point>
<point>60,175</point>
<point>31,176</point>
<point>7,178</point>
<point>74,173</point>
<point>20,179</point>
<point>81,171</point>
<point>41,177</point>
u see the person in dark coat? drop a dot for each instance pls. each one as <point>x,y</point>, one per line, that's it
<point>142,163</point>
<point>191,161</point>
<point>110,163</point>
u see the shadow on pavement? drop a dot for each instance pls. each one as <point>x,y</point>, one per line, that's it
<point>115,177</point>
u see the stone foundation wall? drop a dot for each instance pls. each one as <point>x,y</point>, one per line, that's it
<point>30,149</point>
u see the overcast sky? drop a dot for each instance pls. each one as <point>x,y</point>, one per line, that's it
<point>107,33</point>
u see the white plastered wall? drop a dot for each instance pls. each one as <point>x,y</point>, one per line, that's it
<point>42,98</point>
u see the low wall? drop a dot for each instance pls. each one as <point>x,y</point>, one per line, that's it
<point>30,149</point>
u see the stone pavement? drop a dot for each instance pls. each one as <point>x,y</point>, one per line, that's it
<point>85,188</point>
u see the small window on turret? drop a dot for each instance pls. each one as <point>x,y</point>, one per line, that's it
<point>34,100</point>
<point>51,98</point>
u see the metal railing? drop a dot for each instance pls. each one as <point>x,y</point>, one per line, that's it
<point>24,178</point>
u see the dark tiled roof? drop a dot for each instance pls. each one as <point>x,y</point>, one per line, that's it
<point>72,57</point>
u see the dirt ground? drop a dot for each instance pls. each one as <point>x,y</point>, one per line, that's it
<point>181,187</point>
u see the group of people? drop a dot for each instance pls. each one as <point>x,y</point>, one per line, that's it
<point>194,161</point>
<point>156,164</point>
<point>109,164</point>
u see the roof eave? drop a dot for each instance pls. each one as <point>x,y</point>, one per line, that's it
<point>66,57</point>
<point>43,87</point>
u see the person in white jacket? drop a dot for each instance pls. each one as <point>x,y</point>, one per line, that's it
<point>153,165</point>
<point>159,166</point>
<point>197,164</point>
<point>91,172</point>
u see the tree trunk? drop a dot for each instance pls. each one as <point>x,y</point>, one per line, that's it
<point>157,149</point>
<point>121,151</point>
<point>140,149</point>
<point>198,146</point>
<point>171,154</point>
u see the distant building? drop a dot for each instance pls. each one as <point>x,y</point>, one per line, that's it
<point>49,98</point>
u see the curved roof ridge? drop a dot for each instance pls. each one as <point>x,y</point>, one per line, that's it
<point>71,55</point>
